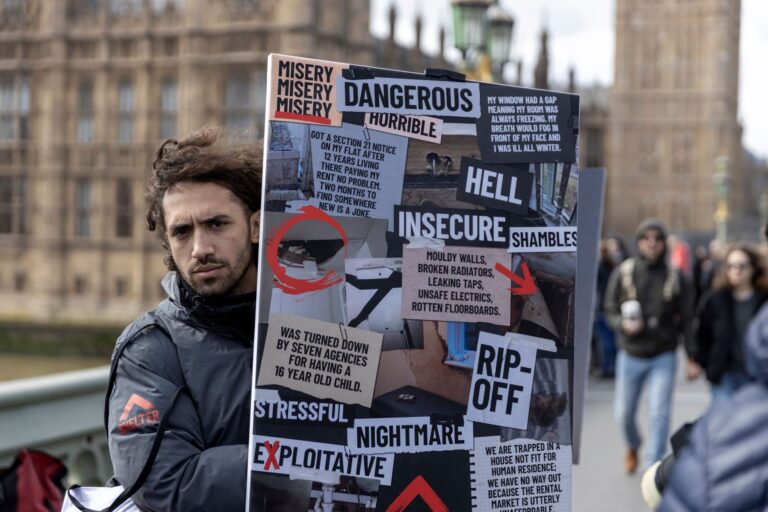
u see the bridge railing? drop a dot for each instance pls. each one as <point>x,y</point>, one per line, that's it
<point>61,414</point>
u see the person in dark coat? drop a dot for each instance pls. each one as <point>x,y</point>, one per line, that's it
<point>186,365</point>
<point>612,253</point>
<point>724,465</point>
<point>723,318</point>
<point>649,303</point>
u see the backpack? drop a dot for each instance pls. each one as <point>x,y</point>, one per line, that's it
<point>32,483</point>
<point>671,288</point>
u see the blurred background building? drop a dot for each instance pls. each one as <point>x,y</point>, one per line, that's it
<point>89,88</point>
<point>673,115</point>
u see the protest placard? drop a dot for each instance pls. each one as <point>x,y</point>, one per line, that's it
<point>460,284</point>
<point>521,475</point>
<point>418,248</point>
<point>322,359</point>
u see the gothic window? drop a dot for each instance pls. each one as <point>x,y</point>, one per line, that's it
<point>244,103</point>
<point>125,7</point>
<point>85,113</point>
<point>14,107</point>
<point>83,208</point>
<point>13,204</point>
<point>82,9</point>
<point>166,6</point>
<point>125,116</point>
<point>169,106</point>
<point>124,202</point>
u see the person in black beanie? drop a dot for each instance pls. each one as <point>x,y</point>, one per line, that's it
<point>649,305</point>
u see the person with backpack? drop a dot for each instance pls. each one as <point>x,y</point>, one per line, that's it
<point>649,304</point>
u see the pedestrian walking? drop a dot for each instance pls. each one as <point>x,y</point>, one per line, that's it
<point>739,292</point>
<point>648,302</point>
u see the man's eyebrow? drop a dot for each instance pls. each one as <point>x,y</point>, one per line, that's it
<point>216,218</point>
<point>178,225</point>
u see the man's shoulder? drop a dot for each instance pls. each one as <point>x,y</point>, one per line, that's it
<point>150,325</point>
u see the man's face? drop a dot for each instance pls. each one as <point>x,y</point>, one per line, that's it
<point>210,236</point>
<point>651,245</point>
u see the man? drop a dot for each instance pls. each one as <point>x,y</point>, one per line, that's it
<point>649,304</point>
<point>182,372</point>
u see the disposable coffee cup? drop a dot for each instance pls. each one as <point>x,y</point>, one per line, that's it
<point>632,315</point>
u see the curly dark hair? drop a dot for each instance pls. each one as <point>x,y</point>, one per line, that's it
<point>204,156</point>
<point>755,261</point>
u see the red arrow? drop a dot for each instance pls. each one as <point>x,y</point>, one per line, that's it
<point>526,284</point>
<point>418,487</point>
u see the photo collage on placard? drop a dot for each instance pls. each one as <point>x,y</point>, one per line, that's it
<point>415,339</point>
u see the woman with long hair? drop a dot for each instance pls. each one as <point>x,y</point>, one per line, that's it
<point>724,314</point>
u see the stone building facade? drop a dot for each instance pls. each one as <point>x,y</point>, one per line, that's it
<point>89,88</point>
<point>673,114</point>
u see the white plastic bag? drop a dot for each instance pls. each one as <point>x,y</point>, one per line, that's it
<point>77,499</point>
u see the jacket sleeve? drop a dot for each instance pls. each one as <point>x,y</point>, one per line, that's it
<point>612,301</point>
<point>686,489</point>
<point>186,475</point>
<point>703,330</point>
<point>686,312</point>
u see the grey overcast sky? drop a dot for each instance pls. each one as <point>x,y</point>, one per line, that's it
<point>581,35</point>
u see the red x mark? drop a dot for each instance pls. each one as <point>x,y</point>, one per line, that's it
<point>271,454</point>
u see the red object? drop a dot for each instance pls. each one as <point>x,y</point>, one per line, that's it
<point>289,284</point>
<point>526,284</point>
<point>302,117</point>
<point>271,454</point>
<point>418,487</point>
<point>33,483</point>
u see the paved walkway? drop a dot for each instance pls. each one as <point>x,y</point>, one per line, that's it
<point>599,482</point>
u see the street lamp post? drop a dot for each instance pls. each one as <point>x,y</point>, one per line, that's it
<point>721,178</point>
<point>482,31</point>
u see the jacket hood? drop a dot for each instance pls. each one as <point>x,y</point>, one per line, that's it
<point>756,347</point>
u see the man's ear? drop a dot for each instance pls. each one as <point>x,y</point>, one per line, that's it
<point>255,223</point>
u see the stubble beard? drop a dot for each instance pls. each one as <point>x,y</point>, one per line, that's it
<point>229,283</point>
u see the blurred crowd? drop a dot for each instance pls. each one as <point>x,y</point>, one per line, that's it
<point>701,264</point>
<point>653,296</point>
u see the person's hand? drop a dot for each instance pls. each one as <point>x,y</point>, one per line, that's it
<point>631,326</point>
<point>692,370</point>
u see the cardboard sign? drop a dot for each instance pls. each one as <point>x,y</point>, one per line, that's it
<point>425,128</point>
<point>503,379</point>
<point>409,435</point>
<point>308,460</point>
<point>412,97</point>
<point>303,90</point>
<point>502,187</point>
<point>560,239</point>
<point>352,171</point>
<point>525,125</point>
<point>459,284</point>
<point>521,475</point>
<point>321,359</point>
<point>453,226</point>
<point>417,251</point>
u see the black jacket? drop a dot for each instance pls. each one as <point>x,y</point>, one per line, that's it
<point>715,332</point>
<point>666,304</point>
<point>206,350</point>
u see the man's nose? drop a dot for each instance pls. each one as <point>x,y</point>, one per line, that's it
<point>202,246</point>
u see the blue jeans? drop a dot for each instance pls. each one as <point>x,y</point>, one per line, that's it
<point>631,374</point>
<point>729,383</point>
<point>606,341</point>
